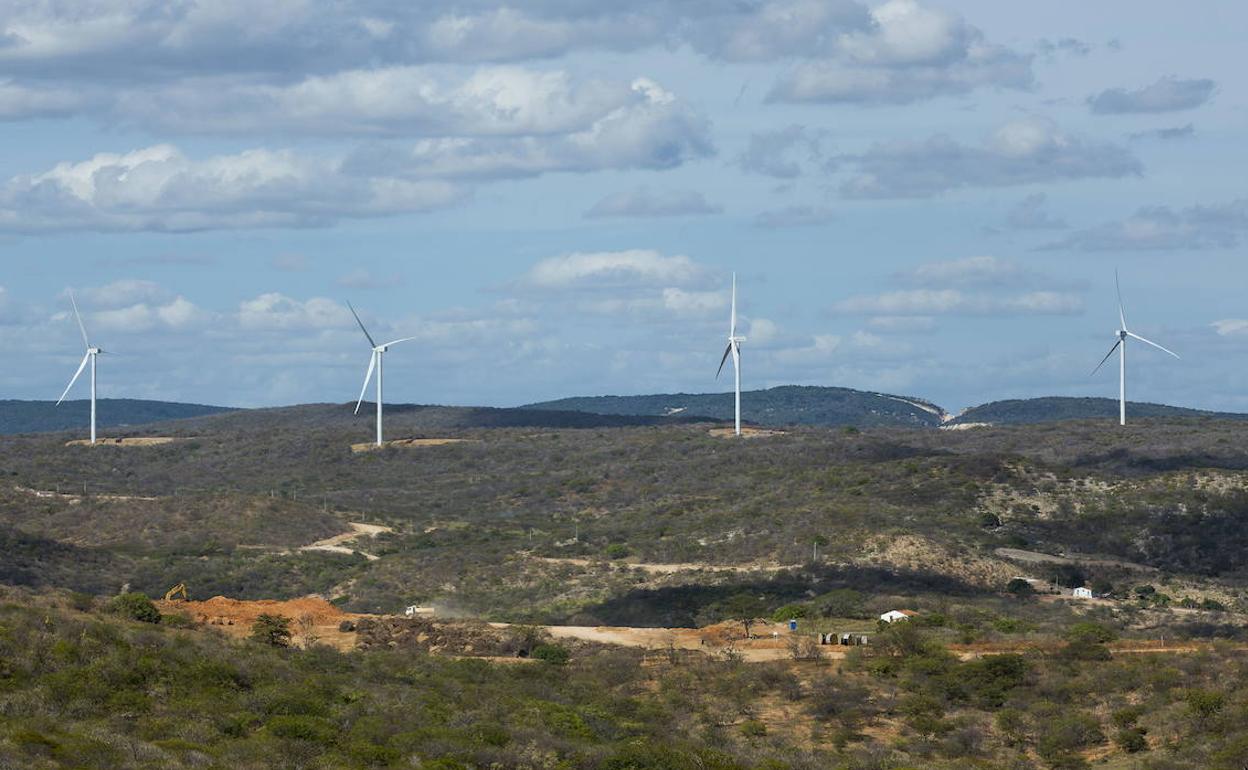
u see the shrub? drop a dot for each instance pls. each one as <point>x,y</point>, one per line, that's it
<point>135,606</point>
<point>617,551</point>
<point>553,654</point>
<point>273,630</point>
<point>789,611</point>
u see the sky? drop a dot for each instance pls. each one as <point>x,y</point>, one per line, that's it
<point>920,197</point>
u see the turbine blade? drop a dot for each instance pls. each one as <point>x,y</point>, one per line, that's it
<point>368,377</point>
<point>732,328</point>
<point>727,351</point>
<point>395,342</point>
<point>1106,358</point>
<point>1122,316</point>
<point>1154,344</point>
<point>371,341</point>
<point>78,317</point>
<point>77,374</point>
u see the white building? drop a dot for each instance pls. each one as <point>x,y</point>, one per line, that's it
<point>1083,593</point>
<point>892,616</point>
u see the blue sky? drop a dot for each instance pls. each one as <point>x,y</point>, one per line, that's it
<point>926,198</point>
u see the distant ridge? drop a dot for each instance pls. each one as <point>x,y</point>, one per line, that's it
<point>46,416</point>
<point>779,406</point>
<point>1021,411</point>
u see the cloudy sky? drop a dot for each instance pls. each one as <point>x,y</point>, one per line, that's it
<point>923,197</point>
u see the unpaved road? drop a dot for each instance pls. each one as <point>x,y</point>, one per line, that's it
<point>668,569</point>
<point>337,543</point>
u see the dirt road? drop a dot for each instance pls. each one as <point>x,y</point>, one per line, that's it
<point>337,543</point>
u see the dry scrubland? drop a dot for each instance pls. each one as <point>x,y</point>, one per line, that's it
<point>534,525</point>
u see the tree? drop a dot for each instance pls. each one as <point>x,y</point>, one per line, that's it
<point>135,606</point>
<point>273,630</point>
<point>744,607</point>
<point>1020,588</point>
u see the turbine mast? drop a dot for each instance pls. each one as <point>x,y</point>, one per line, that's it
<point>736,354</point>
<point>93,358</point>
<point>381,358</point>
<point>1122,382</point>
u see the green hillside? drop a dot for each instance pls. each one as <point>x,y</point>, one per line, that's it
<point>1054,408</point>
<point>46,416</point>
<point>774,407</point>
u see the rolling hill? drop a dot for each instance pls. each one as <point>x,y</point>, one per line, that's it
<point>1054,408</point>
<point>779,406</point>
<point>46,416</point>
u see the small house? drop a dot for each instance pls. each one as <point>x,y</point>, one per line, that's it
<point>1083,593</point>
<point>892,616</point>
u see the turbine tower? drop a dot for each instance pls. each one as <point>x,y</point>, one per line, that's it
<point>734,349</point>
<point>375,362</point>
<point>1121,347</point>
<point>91,354</point>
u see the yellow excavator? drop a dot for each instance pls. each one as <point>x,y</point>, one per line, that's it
<point>176,591</point>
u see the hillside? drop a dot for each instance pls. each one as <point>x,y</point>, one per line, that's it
<point>774,407</point>
<point>46,416</point>
<point>1055,408</point>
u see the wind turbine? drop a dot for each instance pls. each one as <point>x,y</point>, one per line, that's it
<point>734,349</point>
<point>375,362</point>
<point>91,354</point>
<point>1121,347</point>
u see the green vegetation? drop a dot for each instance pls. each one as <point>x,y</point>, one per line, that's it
<point>46,416</point>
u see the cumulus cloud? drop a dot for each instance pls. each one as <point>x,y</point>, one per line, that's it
<point>794,216</point>
<point>646,203</point>
<point>783,154</point>
<point>637,267</point>
<point>908,53</point>
<point>385,101</point>
<point>122,293</point>
<point>177,314</point>
<point>653,131</point>
<point>159,188</point>
<point>274,311</point>
<point>1030,214</point>
<point>983,271</point>
<point>1162,228</point>
<point>1166,95</point>
<point>924,302</point>
<point>1020,152</point>
<point>1231,327</point>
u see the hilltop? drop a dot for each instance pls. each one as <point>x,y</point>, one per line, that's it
<point>779,406</point>
<point>46,416</point>
<point>1053,408</point>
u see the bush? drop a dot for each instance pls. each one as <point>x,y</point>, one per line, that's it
<point>553,654</point>
<point>1020,588</point>
<point>135,606</point>
<point>273,630</point>
<point>788,612</point>
<point>617,551</point>
<point>1131,739</point>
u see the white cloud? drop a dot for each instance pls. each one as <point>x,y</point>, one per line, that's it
<point>398,101</point>
<point>654,130</point>
<point>1231,327</point>
<point>637,267</point>
<point>274,311</point>
<point>178,314</point>
<point>977,271</point>
<point>820,350</point>
<point>693,303</point>
<point>908,53</point>
<point>925,302</point>
<point>1026,151</point>
<point>1162,228</point>
<point>159,188</point>
<point>123,293</point>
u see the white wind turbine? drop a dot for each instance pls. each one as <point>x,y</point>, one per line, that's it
<point>734,349</point>
<point>91,354</point>
<point>375,362</point>
<point>1121,347</point>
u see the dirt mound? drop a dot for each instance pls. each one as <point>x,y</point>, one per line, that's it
<point>222,611</point>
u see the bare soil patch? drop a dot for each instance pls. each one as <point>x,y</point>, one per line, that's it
<point>410,443</point>
<point>745,432</point>
<point>667,569</point>
<point>134,441</point>
<point>338,543</point>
